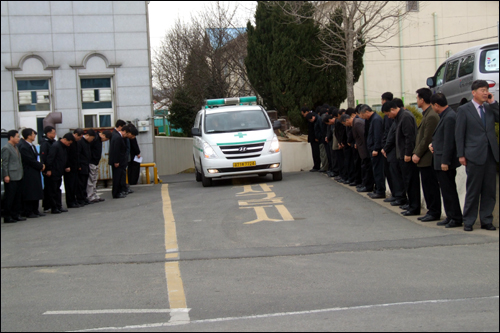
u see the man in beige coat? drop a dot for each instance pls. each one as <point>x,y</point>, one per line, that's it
<point>422,156</point>
<point>12,173</point>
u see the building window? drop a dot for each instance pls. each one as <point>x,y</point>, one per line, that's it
<point>96,93</point>
<point>97,102</point>
<point>412,6</point>
<point>33,95</point>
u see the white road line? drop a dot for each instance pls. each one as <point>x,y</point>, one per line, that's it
<point>111,311</point>
<point>282,314</point>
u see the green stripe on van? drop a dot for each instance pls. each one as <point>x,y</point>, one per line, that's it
<point>239,143</point>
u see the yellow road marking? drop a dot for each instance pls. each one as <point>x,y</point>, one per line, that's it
<point>175,287</point>
<point>285,214</point>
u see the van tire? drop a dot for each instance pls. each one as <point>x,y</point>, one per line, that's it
<point>198,176</point>
<point>277,176</point>
<point>207,182</point>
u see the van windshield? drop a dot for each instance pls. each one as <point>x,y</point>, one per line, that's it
<point>235,121</point>
<point>489,61</point>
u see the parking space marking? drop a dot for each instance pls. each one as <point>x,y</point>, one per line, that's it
<point>259,205</point>
<point>175,287</point>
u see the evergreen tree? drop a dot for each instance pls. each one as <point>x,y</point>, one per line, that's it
<point>282,62</point>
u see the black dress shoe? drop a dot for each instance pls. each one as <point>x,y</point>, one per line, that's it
<point>56,211</point>
<point>62,210</point>
<point>314,170</point>
<point>404,207</point>
<point>489,227</point>
<point>364,189</point>
<point>41,214</point>
<point>337,178</point>
<point>9,220</point>
<point>468,228</point>
<point>428,218</point>
<point>119,196</point>
<point>376,196</point>
<point>390,199</point>
<point>130,191</point>
<point>19,218</point>
<point>398,203</point>
<point>454,224</point>
<point>352,184</point>
<point>32,216</point>
<point>75,205</point>
<point>445,222</point>
<point>408,213</point>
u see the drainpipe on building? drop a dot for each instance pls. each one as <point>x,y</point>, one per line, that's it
<point>436,51</point>
<point>401,60</point>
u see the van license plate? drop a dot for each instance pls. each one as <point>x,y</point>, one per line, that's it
<point>244,164</point>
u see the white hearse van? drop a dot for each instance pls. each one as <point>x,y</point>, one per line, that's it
<point>231,140</point>
<point>455,76</point>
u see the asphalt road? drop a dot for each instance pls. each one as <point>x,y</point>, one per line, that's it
<point>303,254</point>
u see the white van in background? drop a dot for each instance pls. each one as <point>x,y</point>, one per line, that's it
<point>231,140</point>
<point>455,76</point>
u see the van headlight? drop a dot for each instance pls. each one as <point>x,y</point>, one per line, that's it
<point>275,145</point>
<point>208,151</point>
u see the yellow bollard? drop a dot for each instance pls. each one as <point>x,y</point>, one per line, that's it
<point>155,170</point>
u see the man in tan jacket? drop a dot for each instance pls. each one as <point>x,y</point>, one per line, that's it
<point>422,156</point>
<point>12,173</point>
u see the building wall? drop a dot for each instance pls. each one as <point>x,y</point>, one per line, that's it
<point>65,41</point>
<point>457,22</point>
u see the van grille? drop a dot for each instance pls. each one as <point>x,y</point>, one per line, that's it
<point>242,151</point>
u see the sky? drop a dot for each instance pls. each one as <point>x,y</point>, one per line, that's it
<point>163,14</point>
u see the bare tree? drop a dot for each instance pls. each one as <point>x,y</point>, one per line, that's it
<point>204,56</point>
<point>357,23</point>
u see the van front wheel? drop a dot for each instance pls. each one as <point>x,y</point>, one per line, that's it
<point>207,182</point>
<point>277,176</point>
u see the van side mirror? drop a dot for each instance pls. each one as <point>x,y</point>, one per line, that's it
<point>430,82</point>
<point>277,125</point>
<point>195,131</point>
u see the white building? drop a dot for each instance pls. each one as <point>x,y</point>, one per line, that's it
<point>89,60</point>
<point>432,32</point>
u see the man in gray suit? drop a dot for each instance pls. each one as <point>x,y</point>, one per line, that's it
<point>12,173</point>
<point>477,149</point>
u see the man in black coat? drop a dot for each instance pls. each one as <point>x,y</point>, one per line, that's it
<point>56,169</point>
<point>47,140</point>
<point>71,184</point>
<point>134,168</point>
<point>118,160</point>
<point>84,157</point>
<point>477,150</point>
<point>446,161</point>
<point>32,190</point>
<point>405,137</point>
<point>311,138</point>
<point>374,148</point>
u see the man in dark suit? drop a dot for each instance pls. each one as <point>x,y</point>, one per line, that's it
<point>47,140</point>
<point>12,174</point>
<point>446,160</point>
<point>71,184</point>
<point>406,133</point>
<point>311,138</point>
<point>118,160</point>
<point>32,179</point>
<point>84,157</point>
<point>374,148</point>
<point>422,156</point>
<point>134,168</point>
<point>56,169</point>
<point>477,149</point>
<point>95,158</point>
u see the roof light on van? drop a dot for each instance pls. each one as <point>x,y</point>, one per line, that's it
<point>231,101</point>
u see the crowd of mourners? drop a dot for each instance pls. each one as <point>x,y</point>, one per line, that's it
<point>358,147</point>
<point>74,159</point>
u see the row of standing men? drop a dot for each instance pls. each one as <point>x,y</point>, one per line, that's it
<point>360,148</point>
<point>74,159</point>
